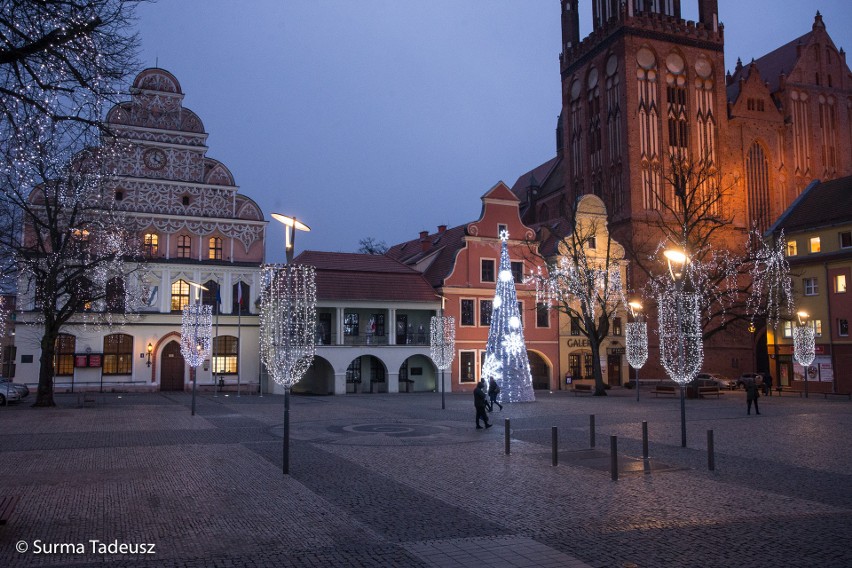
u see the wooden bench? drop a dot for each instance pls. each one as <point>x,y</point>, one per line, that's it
<point>782,391</point>
<point>664,389</point>
<point>708,391</point>
<point>578,388</point>
<point>7,506</point>
<point>846,394</point>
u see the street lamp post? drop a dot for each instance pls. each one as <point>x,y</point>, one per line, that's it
<point>804,346</point>
<point>681,347</point>
<point>291,225</point>
<point>637,340</point>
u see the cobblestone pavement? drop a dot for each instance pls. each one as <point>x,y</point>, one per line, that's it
<point>394,480</point>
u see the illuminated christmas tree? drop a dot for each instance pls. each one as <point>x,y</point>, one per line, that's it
<point>506,353</point>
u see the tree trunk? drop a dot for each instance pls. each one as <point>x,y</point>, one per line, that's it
<point>44,395</point>
<point>600,389</point>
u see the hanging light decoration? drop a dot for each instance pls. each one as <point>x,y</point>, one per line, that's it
<point>681,344</point>
<point>442,340</point>
<point>506,359</point>
<point>195,333</point>
<point>288,314</point>
<point>637,343</point>
<point>804,345</point>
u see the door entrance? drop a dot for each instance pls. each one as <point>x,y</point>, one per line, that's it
<point>171,368</point>
<point>613,363</point>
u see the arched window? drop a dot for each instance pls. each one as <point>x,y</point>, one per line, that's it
<point>215,248</point>
<point>118,354</point>
<point>226,357</point>
<point>757,178</point>
<point>151,244</point>
<point>115,295</point>
<point>184,246</point>
<point>82,293</point>
<point>180,295</point>
<point>63,356</point>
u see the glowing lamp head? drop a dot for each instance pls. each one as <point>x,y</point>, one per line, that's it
<point>803,317</point>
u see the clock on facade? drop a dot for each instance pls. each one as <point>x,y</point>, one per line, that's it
<point>154,158</point>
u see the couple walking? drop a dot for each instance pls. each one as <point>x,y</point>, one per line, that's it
<point>483,403</point>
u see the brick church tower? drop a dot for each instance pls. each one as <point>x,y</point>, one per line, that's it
<point>646,85</point>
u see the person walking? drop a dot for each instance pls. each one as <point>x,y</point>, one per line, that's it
<point>752,394</point>
<point>767,384</point>
<point>480,402</point>
<point>493,391</point>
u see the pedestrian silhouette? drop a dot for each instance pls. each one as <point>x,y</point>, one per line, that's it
<point>767,384</point>
<point>493,391</point>
<point>752,394</point>
<point>480,402</point>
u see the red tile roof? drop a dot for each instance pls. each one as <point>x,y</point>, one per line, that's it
<point>821,204</point>
<point>438,259</point>
<point>351,276</point>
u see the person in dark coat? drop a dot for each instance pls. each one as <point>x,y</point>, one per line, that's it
<point>480,401</point>
<point>493,391</point>
<point>752,394</point>
<point>767,384</point>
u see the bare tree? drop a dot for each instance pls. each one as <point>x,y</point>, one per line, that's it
<point>584,281</point>
<point>369,245</point>
<point>60,63</point>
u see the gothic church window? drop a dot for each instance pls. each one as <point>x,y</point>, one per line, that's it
<point>801,140</point>
<point>757,179</point>
<point>649,125</point>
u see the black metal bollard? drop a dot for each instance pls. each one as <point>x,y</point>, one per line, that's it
<point>644,439</point>
<point>555,446</point>
<point>711,458</point>
<point>506,435</point>
<point>613,448</point>
<point>591,430</point>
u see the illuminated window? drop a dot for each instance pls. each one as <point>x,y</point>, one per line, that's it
<point>350,324</point>
<point>225,355</point>
<point>616,326</point>
<point>814,244</point>
<point>215,248</point>
<point>792,250</point>
<point>788,329</point>
<point>63,358</point>
<point>118,354</point>
<point>184,246</point>
<point>840,283</point>
<point>817,325</point>
<point>150,244</point>
<point>180,295</point>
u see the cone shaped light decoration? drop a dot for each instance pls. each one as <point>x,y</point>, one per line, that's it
<point>506,357</point>
<point>681,342</point>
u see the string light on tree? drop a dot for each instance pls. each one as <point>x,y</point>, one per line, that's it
<point>506,357</point>
<point>637,341</point>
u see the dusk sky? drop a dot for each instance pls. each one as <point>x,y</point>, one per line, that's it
<point>382,118</point>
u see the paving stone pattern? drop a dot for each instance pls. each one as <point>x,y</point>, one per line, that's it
<point>394,480</point>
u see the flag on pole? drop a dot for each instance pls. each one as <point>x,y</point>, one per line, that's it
<point>240,294</point>
<point>218,299</point>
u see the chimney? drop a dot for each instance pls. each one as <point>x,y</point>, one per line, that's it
<point>441,228</point>
<point>424,241</point>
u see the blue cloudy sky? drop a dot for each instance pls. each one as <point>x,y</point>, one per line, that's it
<point>382,118</point>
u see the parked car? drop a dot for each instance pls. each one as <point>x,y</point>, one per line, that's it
<point>23,390</point>
<point>8,393</point>
<point>715,380</point>
<point>748,378</point>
